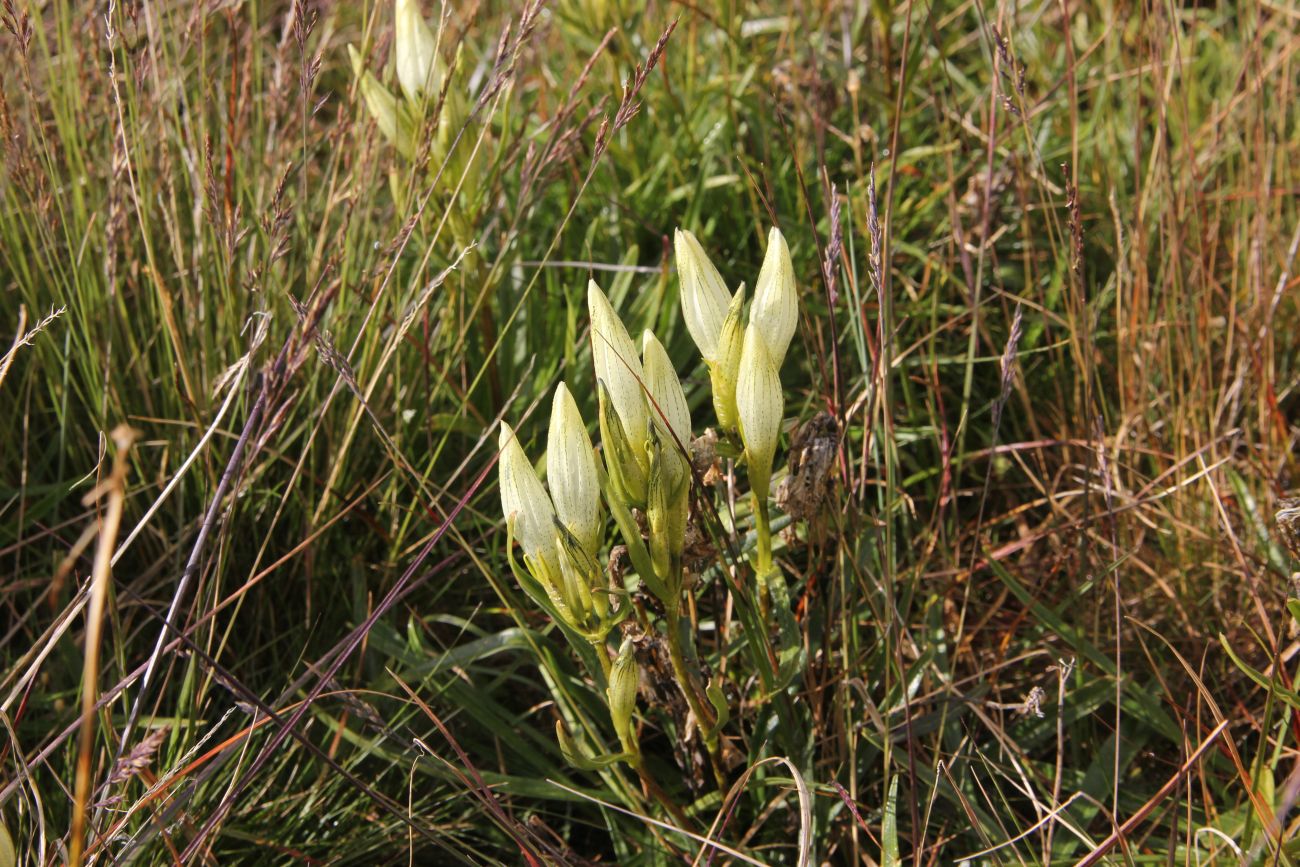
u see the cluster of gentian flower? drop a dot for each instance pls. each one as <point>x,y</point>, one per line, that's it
<point>426,109</point>
<point>644,465</point>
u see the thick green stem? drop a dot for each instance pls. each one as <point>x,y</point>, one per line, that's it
<point>683,675</point>
<point>763,558</point>
<point>652,789</point>
<point>766,573</point>
<point>602,653</point>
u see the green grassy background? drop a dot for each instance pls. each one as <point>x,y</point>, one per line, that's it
<point>238,267</point>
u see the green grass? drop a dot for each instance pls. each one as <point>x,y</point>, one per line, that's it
<point>238,266</point>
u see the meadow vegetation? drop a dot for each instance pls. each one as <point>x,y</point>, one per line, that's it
<point>1021,591</point>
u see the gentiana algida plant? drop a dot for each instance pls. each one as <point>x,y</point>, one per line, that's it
<point>421,121</point>
<point>649,476</point>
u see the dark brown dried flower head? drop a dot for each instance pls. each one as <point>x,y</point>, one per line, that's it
<point>807,484</point>
<point>1288,524</point>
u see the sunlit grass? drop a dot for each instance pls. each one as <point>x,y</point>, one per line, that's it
<point>1038,543</point>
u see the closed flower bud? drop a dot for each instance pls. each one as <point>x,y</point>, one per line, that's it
<point>524,498</point>
<point>416,51</point>
<point>667,507</point>
<point>776,305</point>
<point>573,584</point>
<point>704,294</point>
<point>615,358</point>
<point>672,417</point>
<point>625,473</point>
<point>759,405</point>
<point>594,588</point>
<point>725,368</point>
<point>392,118</point>
<point>571,472</point>
<point>621,694</point>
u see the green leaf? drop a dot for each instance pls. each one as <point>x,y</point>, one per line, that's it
<point>889,828</point>
<point>1290,696</point>
<point>719,702</point>
<point>791,656</point>
<point>574,755</point>
<point>1257,524</point>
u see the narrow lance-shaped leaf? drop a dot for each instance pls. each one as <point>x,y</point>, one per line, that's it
<point>574,755</point>
<point>627,478</point>
<point>573,584</point>
<point>667,506</point>
<point>390,116</point>
<point>668,490</point>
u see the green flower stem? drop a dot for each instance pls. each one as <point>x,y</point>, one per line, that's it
<point>668,589</point>
<point>763,553</point>
<point>766,572</point>
<point>632,747</point>
<point>602,654</point>
<point>649,785</point>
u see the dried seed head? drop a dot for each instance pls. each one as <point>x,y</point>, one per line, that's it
<point>1288,523</point>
